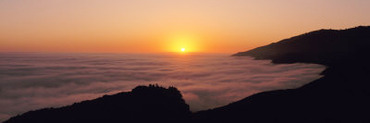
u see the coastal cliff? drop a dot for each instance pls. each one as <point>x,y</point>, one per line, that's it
<point>342,95</point>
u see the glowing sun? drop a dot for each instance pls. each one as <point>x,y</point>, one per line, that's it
<point>182,44</point>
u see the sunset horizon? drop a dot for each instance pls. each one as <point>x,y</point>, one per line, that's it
<point>184,61</point>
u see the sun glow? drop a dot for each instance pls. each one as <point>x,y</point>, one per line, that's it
<point>183,43</point>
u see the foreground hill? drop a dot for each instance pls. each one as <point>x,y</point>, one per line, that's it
<point>341,96</point>
<point>142,104</point>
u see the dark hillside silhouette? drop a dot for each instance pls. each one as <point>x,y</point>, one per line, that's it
<point>143,104</point>
<point>326,47</point>
<point>334,98</point>
<point>341,96</point>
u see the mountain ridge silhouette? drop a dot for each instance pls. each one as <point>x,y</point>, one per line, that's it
<point>341,95</point>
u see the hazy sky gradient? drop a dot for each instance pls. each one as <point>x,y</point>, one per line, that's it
<point>152,26</point>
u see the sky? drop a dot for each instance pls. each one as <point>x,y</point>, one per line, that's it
<point>156,26</point>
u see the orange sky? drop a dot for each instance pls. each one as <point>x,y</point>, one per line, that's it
<point>152,26</point>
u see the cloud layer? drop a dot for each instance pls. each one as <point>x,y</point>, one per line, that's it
<point>33,81</point>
